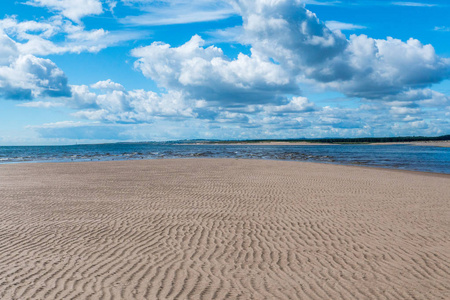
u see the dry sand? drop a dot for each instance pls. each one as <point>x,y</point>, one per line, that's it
<point>222,229</point>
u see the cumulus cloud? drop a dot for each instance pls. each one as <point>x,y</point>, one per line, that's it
<point>8,49</point>
<point>376,68</point>
<point>24,77</point>
<point>289,45</point>
<point>204,89</point>
<point>295,105</point>
<point>206,73</point>
<point>136,106</point>
<point>361,66</point>
<point>229,122</point>
<point>404,110</point>
<point>287,32</point>
<point>74,10</point>
<point>108,85</point>
<point>108,102</point>
<point>425,97</point>
<point>29,76</point>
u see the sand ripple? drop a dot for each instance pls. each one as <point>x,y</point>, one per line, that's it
<point>222,229</point>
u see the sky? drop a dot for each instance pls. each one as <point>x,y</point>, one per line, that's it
<point>96,71</point>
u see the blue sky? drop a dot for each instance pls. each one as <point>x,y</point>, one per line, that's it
<point>93,71</point>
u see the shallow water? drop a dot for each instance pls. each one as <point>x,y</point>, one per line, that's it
<point>404,157</point>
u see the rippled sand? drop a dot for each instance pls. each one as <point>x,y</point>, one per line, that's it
<point>222,229</point>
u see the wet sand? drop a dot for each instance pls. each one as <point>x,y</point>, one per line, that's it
<point>222,229</point>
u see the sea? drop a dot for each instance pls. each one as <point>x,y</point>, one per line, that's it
<point>402,157</point>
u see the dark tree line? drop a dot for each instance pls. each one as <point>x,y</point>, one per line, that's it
<point>353,140</point>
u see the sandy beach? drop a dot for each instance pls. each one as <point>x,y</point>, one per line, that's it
<point>222,229</point>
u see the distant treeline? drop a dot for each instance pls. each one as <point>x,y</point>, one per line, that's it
<point>350,140</point>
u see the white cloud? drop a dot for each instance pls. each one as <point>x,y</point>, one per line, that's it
<point>74,10</point>
<point>8,49</point>
<point>404,110</point>
<point>207,92</point>
<point>371,68</point>
<point>37,36</point>
<point>229,122</point>
<point>419,124</point>
<point>113,104</point>
<point>287,32</point>
<point>27,76</point>
<point>295,105</point>
<point>136,106</point>
<point>414,4</point>
<point>27,29</point>
<point>108,85</point>
<point>178,12</point>
<point>409,118</point>
<point>41,104</point>
<point>111,5</point>
<point>159,18</point>
<point>289,44</point>
<point>442,28</point>
<point>336,25</point>
<point>361,66</point>
<point>327,3</point>
<point>206,73</point>
<point>424,97</point>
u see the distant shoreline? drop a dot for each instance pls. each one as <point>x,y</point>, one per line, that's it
<point>437,141</point>
<point>444,144</point>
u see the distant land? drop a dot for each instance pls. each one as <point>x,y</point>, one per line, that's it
<point>364,140</point>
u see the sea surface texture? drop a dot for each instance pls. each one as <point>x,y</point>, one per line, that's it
<point>404,157</point>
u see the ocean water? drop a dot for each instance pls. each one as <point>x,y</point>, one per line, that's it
<point>404,157</point>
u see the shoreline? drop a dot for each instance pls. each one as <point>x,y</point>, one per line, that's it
<point>362,166</point>
<point>444,144</point>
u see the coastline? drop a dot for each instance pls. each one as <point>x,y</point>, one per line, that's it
<point>445,144</point>
<point>222,228</point>
<point>360,166</point>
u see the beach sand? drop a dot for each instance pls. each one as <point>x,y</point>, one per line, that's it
<point>222,229</point>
